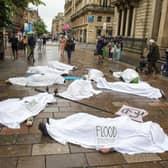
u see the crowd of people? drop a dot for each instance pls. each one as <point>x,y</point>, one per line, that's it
<point>110,48</point>
<point>68,45</point>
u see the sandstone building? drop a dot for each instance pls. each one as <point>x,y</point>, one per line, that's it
<point>89,18</point>
<point>57,24</point>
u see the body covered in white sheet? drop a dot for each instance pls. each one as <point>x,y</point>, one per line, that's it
<point>122,134</point>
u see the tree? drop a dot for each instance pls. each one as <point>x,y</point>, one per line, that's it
<point>8,7</point>
<point>40,27</point>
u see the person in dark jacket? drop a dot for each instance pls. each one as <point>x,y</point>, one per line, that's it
<point>31,45</point>
<point>69,48</point>
<point>153,57</point>
<point>99,48</point>
<point>14,44</point>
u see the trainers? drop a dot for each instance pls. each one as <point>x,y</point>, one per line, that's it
<point>43,129</point>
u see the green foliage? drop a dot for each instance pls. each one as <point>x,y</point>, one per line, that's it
<point>8,7</point>
<point>40,27</point>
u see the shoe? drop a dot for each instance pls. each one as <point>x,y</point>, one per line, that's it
<point>43,129</point>
<point>163,94</point>
<point>111,71</point>
<point>48,120</point>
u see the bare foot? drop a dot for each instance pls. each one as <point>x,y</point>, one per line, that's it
<point>105,150</point>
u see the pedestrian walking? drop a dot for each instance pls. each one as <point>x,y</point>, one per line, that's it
<point>24,41</point>
<point>153,56</point>
<point>31,45</point>
<point>99,48</point>
<point>14,44</point>
<point>1,47</point>
<point>69,48</point>
<point>62,44</point>
<point>164,67</point>
<point>117,52</point>
<point>44,42</point>
<point>39,44</point>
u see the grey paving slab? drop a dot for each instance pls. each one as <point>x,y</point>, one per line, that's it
<point>15,150</point>
<point>47,149</point>
<point>78,149</point>
<point>66,161</point>
<point>8,162</point>
<point>62,114</point>
<point>7,139</point>
<point>143,165</point>
<point>141,158</point>
<point>28,139</point>
<point>164,164</point>
<point>51,109</point>
<point>31,162</point>
<point>97,159</point>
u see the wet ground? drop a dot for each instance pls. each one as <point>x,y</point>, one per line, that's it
<point>27,148</point>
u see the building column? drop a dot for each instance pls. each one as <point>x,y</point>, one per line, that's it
<point>163,30</point>
<point>127,22</point>
<point>122,23</point>
<point>133,23</point>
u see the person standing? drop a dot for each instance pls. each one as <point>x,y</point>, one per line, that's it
<point>14,44</point>
<point>99,48</point>
<point>69,48</point>
<point>24,40</point>
<point>153,57</point>
<point>1,47</point>
<point>31,45</point>
<point>62,44</point>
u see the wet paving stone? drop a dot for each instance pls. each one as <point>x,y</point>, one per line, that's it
<point>143,165</point>
<point>164,164</point>
<point>8,162</point>
<point>47,149</point>
<point>62,114</point>
<point>28,139</point>
<point>141,158</point>
<point>97,159</point>
<point>66,161</point>
<point>31,162</point>
<point>163,156</point>
<point>51,109</point>
<point>45,115</point>
<point>15,150</point>
<point>78,149</point>
<point>7,139</point>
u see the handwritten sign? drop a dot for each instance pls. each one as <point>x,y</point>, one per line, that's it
<point>136,114</point>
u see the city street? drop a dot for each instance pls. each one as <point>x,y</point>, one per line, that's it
<point>27,148</point>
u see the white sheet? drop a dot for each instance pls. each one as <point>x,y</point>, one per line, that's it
<point>45,70</point>
<point>37,80</point>
<point>15,111</point>
<point>60,66</point>
<point>79,89</point>
<point>127,75</point>
<point>129,136</point>
<point>94,74</point>
<point>140,89</point>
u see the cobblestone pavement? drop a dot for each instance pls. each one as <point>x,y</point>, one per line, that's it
<point>27,148</point>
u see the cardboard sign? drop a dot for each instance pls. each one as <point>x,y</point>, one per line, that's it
<point>136,114</point>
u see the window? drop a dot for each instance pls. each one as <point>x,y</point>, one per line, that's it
<point>90,18</point>
<point>98,32</point>
<point>99,18</point>
<point>108,19</point>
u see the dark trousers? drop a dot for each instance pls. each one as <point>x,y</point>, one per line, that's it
<point>69,54</point>
<point>152,66</point>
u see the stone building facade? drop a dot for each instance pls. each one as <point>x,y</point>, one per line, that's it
<point>139,20</point>
<point>57,24</point>
<point>89,18</point>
